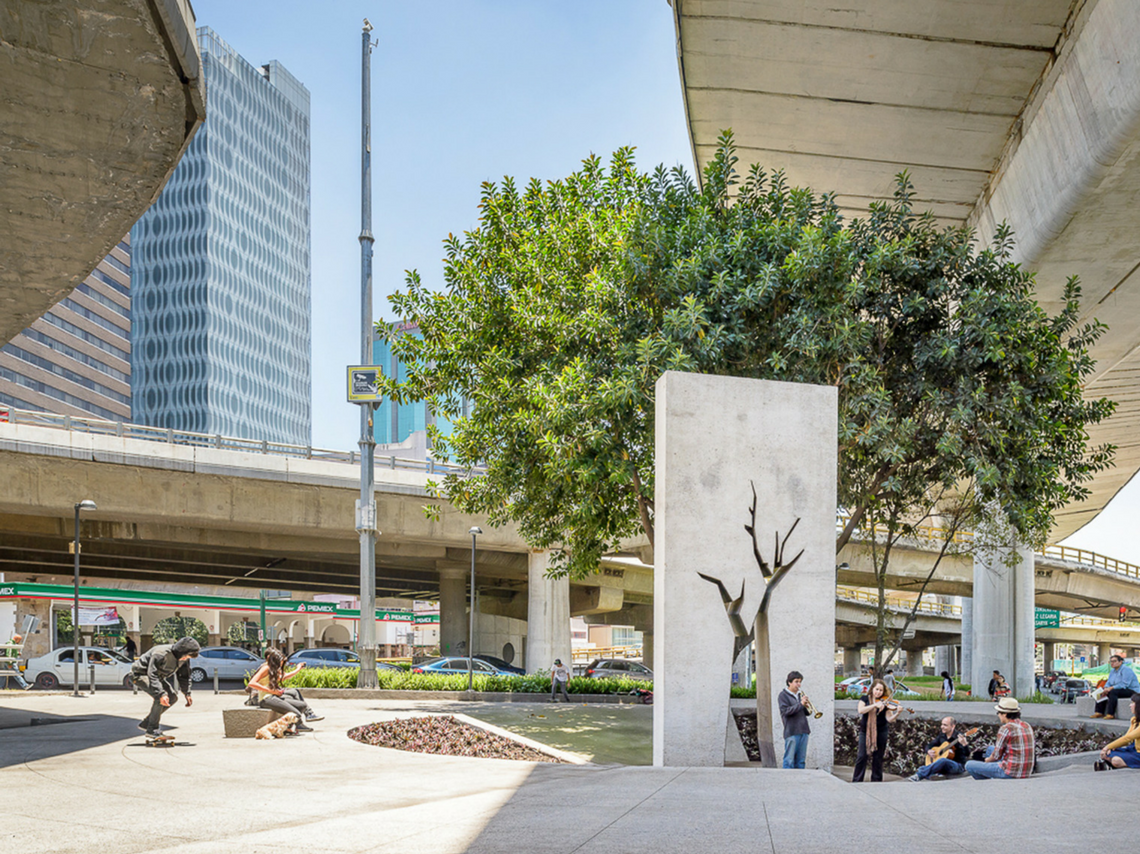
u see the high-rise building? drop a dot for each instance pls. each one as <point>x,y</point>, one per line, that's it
<point>222,264</point>
<point>76,359</point>
<point>403,426</point>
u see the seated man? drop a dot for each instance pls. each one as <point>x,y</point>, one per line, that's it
<point>948,753</point>
<point>1122,752</point>
<point>1122,682</point>
<point>1012,756</point>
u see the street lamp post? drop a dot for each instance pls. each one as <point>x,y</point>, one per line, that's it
<point>85,504</point>
<point>474,532</point>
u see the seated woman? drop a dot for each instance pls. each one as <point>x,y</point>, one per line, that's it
<point>267,683</point>
<point>1122,752</point>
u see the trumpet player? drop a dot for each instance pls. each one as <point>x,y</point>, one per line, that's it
<point>794,707</point>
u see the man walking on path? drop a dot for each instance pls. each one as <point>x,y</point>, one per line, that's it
<point>155,672</point>
<point>559,678</point>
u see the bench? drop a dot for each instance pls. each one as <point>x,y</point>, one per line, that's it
<point>246,721</point>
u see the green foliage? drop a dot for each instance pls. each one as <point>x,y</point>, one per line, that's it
<point>239,633</point>
<point>390,680</point>
<point>170,629</point>
<point>738,692</point>
<point>563,307</point>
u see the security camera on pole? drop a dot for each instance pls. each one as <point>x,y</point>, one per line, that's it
<point>363,389</point>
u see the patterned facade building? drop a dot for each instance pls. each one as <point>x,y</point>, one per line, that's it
<point>76,359</point>
<point>222,264</point>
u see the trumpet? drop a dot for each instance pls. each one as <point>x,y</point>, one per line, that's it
<point>810,707</point>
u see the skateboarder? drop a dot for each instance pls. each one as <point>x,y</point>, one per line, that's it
<point>155,672</point>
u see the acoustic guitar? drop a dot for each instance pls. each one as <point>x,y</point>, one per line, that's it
<point>943,751</point>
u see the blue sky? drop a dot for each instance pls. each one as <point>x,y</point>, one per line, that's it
<point>462,92</point>
<point>466,92</point>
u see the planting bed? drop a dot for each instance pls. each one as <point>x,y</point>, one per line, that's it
<point>444,735</point>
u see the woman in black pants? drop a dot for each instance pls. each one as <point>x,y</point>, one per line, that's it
<point>874,727</point>
<point>267,682</point>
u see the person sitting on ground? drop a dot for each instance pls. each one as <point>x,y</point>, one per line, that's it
<point>267,683</point>
<point>992,689</point>
<point>1122,682</point>
<point>1122,752</point>
<point>157,671</point>
<point>947,686</point>
<point>948,753</point>
<point>1012,756</point>
<point>559,679</point>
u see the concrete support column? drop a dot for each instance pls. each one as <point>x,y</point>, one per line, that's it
<point>1103,651</point>
<point>547,616</point>
<point>647,651</point>
<point>914,662</point>
<point>1048,653</point>
<point>1003,610</point>
<point>852,655</point>
<point>453,609</point>
<point>967,637</point>
<point>943,659</point>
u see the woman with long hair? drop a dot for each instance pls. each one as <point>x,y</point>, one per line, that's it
<point>947,686</point>
<point>874,727</point>
<point>267,683</point>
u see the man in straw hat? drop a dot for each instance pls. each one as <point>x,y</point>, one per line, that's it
<point>1012,756</point>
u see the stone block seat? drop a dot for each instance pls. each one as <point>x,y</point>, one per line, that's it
<point>246,721</point>
<point>1085,707</point>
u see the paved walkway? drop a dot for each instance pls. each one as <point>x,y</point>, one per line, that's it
<point>89,784</point>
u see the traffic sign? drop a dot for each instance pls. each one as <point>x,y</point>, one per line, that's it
<point>1045,618</point>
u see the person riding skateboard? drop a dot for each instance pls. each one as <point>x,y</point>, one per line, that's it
<point>155,672</point>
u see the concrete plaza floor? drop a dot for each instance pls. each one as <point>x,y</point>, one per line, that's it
<point>89,784</point>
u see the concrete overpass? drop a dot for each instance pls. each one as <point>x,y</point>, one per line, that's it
<point>97,104</point>
<point>1020,110</point>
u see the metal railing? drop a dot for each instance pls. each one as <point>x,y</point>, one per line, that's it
<point>170,436</point>
<point>1077,620</point>
<point>941,609</point>
<point>584,655</point>
<point>936,535</point>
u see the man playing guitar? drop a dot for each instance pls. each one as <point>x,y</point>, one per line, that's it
<point>946,755</point>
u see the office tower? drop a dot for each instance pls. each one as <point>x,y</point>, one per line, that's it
<point>222,268</point>
<point>401,429</point>
<point>76,359</point>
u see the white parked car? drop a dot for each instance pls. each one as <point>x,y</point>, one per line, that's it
<point>231,662</point>
<point>58,666</point>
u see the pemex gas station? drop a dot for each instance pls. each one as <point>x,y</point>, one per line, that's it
<point>108,616</point>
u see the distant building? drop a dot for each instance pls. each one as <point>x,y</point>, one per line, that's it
<point>221,286</point>
<point>76,359</point>
<point>401,429</point>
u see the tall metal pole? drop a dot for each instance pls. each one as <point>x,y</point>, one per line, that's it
<point>474,532</point>
<point>82,505</point>
<point>75,613</point>
<point>366,515</point>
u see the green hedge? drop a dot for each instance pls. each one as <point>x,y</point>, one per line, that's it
<point>538,683</point>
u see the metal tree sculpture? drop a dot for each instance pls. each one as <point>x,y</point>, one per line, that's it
<point>744,632</point>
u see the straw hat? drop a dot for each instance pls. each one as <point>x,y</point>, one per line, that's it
<point>1007,705</point>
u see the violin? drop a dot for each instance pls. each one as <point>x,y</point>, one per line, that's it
<point>896,706</point>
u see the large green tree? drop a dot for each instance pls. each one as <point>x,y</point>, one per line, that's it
<point>564,305</point>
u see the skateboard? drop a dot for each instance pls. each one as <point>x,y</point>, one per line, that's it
<point>160,741</point>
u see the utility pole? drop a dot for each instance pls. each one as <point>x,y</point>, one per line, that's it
<point>366,506</point>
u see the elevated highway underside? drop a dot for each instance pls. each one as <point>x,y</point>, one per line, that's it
<point>97,103</point>
<point>1024,111</point>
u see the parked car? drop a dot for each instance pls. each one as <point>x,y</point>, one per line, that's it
<point>452,665</point>
<point>332,657</point>
<point>1073,688</point>
<point>231,662</point>
<point>495,661</point>
<point>58,668</point>
<point>862,685</point>
<point>618,668</point>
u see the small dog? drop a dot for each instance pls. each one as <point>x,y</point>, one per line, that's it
<point>277,728</point>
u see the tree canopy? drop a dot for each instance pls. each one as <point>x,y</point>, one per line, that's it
<point>569,299</point>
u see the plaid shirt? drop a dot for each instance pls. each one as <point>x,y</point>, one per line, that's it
<point>1014,748</point>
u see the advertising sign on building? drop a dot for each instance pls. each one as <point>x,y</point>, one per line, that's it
<point>98,616</point>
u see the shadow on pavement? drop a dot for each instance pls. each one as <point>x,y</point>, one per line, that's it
<point>58,735</point>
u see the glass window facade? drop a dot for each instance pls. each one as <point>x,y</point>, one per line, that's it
<point>393,422</point>
<point>221,265</point>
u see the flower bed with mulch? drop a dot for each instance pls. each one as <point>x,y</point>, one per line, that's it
<point>444,735</point>
<point>909,737</point>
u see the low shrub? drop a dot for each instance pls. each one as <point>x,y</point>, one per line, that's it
<point>535,683</point>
